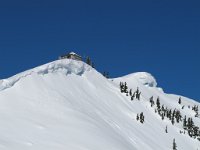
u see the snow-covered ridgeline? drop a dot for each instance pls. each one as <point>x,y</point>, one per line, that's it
<point>66,66</point>
<point>66,104</point>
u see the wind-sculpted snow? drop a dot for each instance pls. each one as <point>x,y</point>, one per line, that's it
<point>66,66</point>
<point>143,77</point>
<point>67,104</point>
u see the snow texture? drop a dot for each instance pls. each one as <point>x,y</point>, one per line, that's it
<point>143,77</point>
<point>66,104</point>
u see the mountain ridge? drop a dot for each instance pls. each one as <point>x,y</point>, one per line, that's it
<point>68,104</point>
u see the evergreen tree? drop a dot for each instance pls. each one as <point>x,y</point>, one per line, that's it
<point>196,109</point>
<point>159,112</point>
<point>162,115</point>
<point>125,88</point>
<point>151,101</point>
<point>158,103</point>
<point>133,96</point>
<point>185,123</point>
<point>172,121</point>
<point>166,131</point>
<point>195,131</point>
<point>162,108</point>
<point>141,117</point>
<point>190,127</point>
<point>130,92</point>
<point>190,123</point>
<point>137,91</point>
<point>139,96</point>
<point>173,114</point>
<point>137,117</point>
<point>121,87</point>
<point>88,61</point>
<point>174,145</point>
<point>179,101</point>
<point>170,114</point>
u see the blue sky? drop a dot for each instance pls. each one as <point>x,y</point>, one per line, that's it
<point>160,37</point>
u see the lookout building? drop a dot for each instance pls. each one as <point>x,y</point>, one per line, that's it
<point>71,55</point>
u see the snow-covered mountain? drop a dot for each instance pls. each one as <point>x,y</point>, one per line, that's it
<point>67,105</point>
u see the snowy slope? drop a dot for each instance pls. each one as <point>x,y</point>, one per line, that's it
<point>66,104</point>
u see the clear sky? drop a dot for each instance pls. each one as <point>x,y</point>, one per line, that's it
<point>122,37</point>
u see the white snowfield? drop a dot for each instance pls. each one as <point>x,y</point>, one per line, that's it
<point>67,105</point>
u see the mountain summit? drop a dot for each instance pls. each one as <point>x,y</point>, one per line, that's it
<point>67,104</point>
